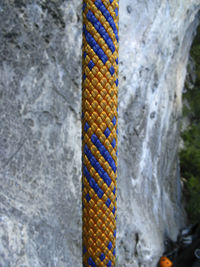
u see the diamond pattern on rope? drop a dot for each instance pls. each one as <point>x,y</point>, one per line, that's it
<point>99,131</point>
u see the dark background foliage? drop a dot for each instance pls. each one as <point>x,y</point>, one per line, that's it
<point>190,154</point>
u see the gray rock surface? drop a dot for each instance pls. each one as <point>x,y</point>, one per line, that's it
<point>40,136</point>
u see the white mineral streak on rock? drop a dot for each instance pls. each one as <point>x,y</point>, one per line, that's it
<point>40,129</point>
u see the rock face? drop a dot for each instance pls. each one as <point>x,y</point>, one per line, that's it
<point>40,126</point>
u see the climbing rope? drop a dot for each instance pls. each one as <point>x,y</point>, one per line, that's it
<point>99,130</point>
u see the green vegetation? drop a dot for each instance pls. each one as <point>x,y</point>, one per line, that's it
<point>190,155</point>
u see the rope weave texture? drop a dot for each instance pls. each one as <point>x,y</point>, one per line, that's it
<point>99,131</point>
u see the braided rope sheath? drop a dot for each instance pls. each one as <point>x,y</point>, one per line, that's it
<point>99,129</point>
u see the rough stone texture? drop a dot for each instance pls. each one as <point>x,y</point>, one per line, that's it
<point>40,88</point>
<point>40,138</point>
<point>155,41</point>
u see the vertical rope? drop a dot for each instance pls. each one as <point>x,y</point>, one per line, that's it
<point>99,130</point>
